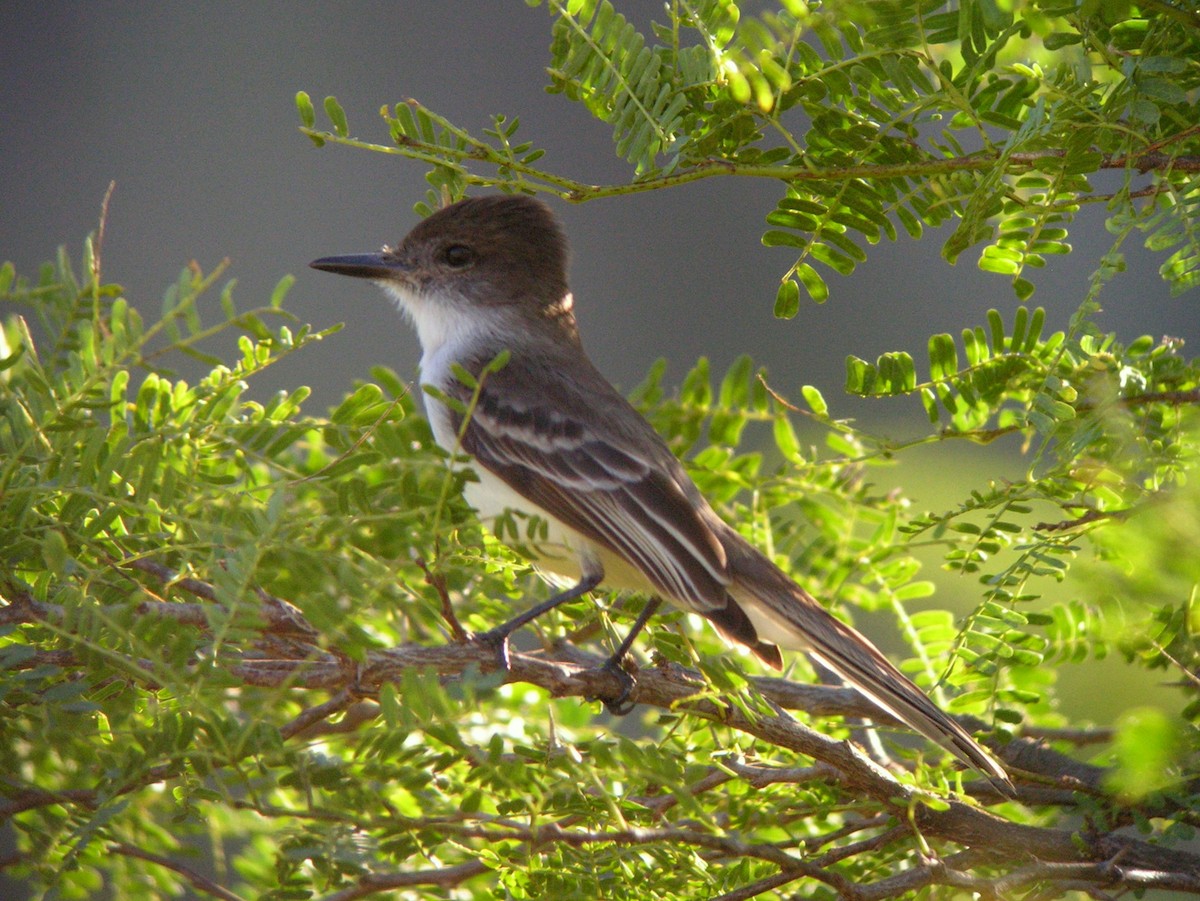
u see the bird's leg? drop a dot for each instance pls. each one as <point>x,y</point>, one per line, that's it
<point>617,705</point>
<point>497,636</point>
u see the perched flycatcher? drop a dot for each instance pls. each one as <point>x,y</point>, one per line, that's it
<point>549,437</point>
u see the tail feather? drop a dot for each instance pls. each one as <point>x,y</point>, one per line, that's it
<point>891,690</point>
<point>784,613</point>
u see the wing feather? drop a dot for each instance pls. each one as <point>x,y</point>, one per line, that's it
<point>617,493</point>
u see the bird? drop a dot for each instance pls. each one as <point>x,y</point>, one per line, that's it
<point>484,282</point>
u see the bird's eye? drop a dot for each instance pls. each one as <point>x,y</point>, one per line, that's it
<point>458,256</point>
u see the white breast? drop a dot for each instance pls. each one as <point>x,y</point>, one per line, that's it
<point>447,329</point>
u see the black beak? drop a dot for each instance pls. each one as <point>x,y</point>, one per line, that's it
<point>360,265</point>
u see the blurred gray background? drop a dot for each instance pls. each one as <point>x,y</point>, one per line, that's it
<point>189,108</point>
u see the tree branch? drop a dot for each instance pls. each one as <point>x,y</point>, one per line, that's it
<point>1044,776</point>
<point>575,191</point>
<point>199,882</point>
<point>443,877</point>
<point>672,688</point>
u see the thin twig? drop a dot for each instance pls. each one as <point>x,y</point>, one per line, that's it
<point>576,192</point>
<point>313,715</point>
<point>660,804</point>
<point>199,882</point>
<point>755,889</point>
<point>1097,735</point>
<point>98,247</point>
<point>282,616</point>
<point>437,581</point>
<point>443,877</point>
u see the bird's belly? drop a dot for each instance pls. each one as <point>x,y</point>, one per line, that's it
<point>550,543</point>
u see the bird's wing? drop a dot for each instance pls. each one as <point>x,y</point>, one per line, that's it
<point>621,489</point>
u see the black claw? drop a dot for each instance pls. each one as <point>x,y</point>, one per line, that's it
<point>498,637</point>
<point>498,640</point>
<point>617,706</point>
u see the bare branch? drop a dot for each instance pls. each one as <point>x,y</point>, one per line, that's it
<point>437,581</point>
<point>22,798</point>
<point>199,882</point>
<point>444,877</point>
<point>1096,735</point>
<point>304,723</point>
<point>755,889</point>
<point>282,617</point>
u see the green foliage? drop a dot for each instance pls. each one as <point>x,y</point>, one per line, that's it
<point>1147,744</point>
<point>143,519</point>
<point>109,462</point>
<point>875,115</point>
<point>1110,441</point>
<point>200,589</point>
<point>601,60</point>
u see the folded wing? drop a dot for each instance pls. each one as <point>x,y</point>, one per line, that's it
<point>621,495</point>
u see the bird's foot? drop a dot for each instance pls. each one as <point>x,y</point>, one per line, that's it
<point>497,640</point>
<point>619,705</point>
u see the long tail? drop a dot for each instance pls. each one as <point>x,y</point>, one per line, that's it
<point>860,663</point>
<point>784,613</point>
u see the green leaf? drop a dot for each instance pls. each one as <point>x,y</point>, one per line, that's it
<point>495,364</point>
<point>860,376</point>
<point>1059,39</point>
<point>1166,65</point>
<point>54,552</point>
<point>776,238</point>
<point>815,400</point>
<point>1146,745</point>
<point>600,59</point>
<point>281,289</point>
<point>13,358</point>
<point>464,376</point>
<point>308,117</point>
<point>735,386</point>
<point>787,300</point>
<point>361,407</point>
<point>786,440</point>
<point>943,357</point>
<point>337,116</point>
<point>812,282</point>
